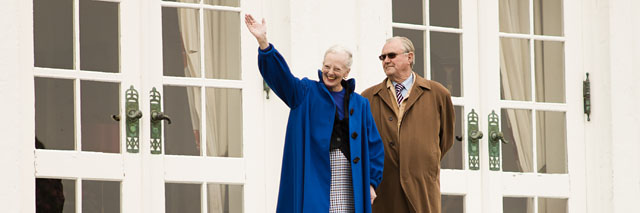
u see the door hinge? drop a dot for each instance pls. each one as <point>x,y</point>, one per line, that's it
<point>586,95</point>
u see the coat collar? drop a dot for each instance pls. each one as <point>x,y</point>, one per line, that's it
<point>349,84</point>
<point>419,86</point>
<point>419,81</point>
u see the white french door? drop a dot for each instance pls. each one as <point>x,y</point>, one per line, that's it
<point>518,59</point>
<point>143,106</point>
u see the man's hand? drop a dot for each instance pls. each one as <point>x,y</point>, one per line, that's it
<point>373,194</point>
<point>259,30</point>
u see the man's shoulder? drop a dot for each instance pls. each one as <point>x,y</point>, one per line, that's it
<point>432,86</point>
<point>371,91</point>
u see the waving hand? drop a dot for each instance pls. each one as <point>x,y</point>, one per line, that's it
<point>259,30</point>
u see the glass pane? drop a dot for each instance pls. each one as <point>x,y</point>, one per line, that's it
<point>445,61</point>
<point>182,136</point>
<point>100,196</point>
<point>100,100</point>
<point>514,16</point>
<point>417,38</point>
<point>230,3</point>
<point>444,13</point>
<point>551,142</point>
<point>185,1</point>
<point>515,69</point>
<point>224,198</point>
<point>452,204</point>
<point>517,204</point>
<point>180,42</point>
<point>222,44</point>
<point>549,71</point>
<point>552,205</point>
<point>408,11</point>
<point>517,155</point>
<point>55,113</point>
<point>454,157</point>
<point>99,36</point>
<point>182,198</point>
<point>547,17</point>
<point>55,195</point>
<point>224,122</point>
<point>53,33</point>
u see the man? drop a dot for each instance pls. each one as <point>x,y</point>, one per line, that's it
<point>415,118</point>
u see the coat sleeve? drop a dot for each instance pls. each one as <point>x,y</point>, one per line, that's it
<point>376,149</point>
<point>276,73</point>
<point>447,121</point>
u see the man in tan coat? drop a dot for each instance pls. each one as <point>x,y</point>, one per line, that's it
<point>417,130</point>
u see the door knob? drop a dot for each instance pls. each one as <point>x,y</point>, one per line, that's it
<point>472,141</point>
<point>494,136</point>
<point>159,116</point>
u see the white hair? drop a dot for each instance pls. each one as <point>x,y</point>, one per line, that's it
<point>341,49</point>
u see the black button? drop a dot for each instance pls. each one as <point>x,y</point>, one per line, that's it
<point>354,135</point>
<point>392,143</point>
<point>355,160</point>
<point>351,112</point>
<point>390,118</point>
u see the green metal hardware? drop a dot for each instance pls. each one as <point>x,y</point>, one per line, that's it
<point>156,125</point>
<point>133,116</point>
<point>266,88</point>
<point>494,137</point>
<point>586,95</point>
<point>473,140</point>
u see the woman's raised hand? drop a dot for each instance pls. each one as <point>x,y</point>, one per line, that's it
<point>259,30</point>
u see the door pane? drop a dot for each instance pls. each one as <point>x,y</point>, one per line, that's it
<point>230,3</point>
<point>182,136</point>
<point>552,205</point>
<point>445,61</point>
<point>551,142</point>
<point>417,38</point>
<point>99,36</point>
<point>222,44</point>
<point>180,42</point>
<point>99,101</point>
<point>517,205</point>
<point>517,155</point>
<point>515,69</point>
<point>55,195</point>
<point>452,204</point>
<point>408,11</point>
<point>182,198</point>
<point>55,117</point>
<point>549,59</point>
<point>224,198</point>
<point>100,196</point>
<point>454,157</point>
<point>444,13</point>
<point>514,16</point>
<point>53,33</point>
<point>548,17</point>
<point>224,122</point>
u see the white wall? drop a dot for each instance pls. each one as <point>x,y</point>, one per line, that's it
<point>16,93</point>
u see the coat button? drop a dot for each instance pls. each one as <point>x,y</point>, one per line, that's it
<point>390,118</point>
<point>351,112</point>
<point>354,135</point>
<point>338,139</point>
<point>392,143</point>
<point>355,160</point>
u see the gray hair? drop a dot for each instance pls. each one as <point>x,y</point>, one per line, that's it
<point>340,49</point>
<point>407,45</point>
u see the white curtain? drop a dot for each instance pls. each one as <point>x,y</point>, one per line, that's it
<point>223,106</point>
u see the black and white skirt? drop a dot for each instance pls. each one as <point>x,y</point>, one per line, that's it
<point>341,183</point>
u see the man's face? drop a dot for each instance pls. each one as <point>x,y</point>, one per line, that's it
<point>401,63</point>
<point>334,68</point>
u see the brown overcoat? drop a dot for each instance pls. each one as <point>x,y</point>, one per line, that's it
<point>413,150</point>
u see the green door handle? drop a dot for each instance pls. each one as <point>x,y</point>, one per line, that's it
<point>475,135</point>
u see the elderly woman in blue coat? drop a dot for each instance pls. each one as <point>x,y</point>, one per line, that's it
<point>333,154</point>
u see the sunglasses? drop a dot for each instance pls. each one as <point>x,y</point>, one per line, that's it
<point>390,55</point>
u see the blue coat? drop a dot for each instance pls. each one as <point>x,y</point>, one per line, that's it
<point>305,179</point>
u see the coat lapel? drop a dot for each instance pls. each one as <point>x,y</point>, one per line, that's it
<point>417,90</point>
<point>384,94</point>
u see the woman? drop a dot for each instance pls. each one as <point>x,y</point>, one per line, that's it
<point>333,154</point>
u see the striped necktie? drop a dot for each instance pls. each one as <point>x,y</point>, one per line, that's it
<point>399,97</point>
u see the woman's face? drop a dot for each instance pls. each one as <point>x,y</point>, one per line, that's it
<point>334,69</point>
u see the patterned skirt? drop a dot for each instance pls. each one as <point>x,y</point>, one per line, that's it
<point>341,183</point>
